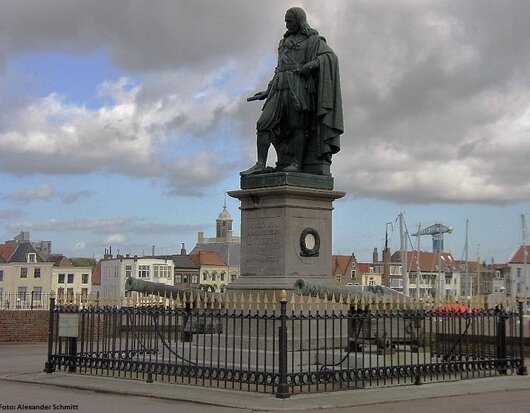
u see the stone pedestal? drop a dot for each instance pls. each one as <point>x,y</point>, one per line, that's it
<point>286,230</point>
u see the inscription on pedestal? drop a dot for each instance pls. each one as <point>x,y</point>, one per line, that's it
<point>263,240</point>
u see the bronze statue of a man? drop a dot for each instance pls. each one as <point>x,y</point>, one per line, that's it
<point>302,115</point>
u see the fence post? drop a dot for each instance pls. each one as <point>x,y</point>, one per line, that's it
<point>521,371</point>
<point>282,390</point>
<point>501,341</point>
<point>49,366</point>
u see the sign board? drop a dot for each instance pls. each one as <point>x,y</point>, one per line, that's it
<point>68,325</point>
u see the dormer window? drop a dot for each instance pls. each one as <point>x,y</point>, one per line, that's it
<point>32,257</point>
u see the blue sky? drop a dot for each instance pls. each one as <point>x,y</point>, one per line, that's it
<point>124,123</point>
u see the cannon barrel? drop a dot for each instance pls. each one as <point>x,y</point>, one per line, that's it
<point>164,290</point>
<point>314,289</point>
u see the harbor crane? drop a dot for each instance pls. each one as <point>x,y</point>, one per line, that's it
<point>437,231</point>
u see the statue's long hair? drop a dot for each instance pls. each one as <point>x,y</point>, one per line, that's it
<point>301,18</point>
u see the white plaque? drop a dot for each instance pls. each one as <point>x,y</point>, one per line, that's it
<point>68,325</point>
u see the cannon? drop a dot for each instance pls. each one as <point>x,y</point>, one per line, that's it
<point>189,296</point>
<point>363,329</point>
<point>371,292</point>
<point>164,290</point>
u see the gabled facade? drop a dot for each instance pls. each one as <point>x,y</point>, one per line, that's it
<point>480,279</point>
<point>347,271</point>
<point>433,273</point>
<point>519,265</point>
<point>25,278</point>
<point>344,270</point>
<point>369,274</point>
<point>69,280</point>
<point>213,269</point>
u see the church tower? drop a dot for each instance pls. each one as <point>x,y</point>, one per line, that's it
<point>224,224</point>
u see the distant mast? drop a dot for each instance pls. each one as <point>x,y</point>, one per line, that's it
<point>404,263</point>
<point>525,262</point>
<point>466,260</point>
<point>418,272</point>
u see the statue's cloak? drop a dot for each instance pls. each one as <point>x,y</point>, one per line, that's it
<point>329,118</point>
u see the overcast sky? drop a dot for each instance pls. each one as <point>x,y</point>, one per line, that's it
<point>123,123</point>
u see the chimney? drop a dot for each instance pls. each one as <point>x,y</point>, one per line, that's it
<point>182,249</point>
<point>386,268</point>
<point>153,251</point>
<point>200,237</point>
<point>375,256</point>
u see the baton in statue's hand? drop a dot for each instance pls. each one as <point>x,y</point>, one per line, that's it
<point>257,96</point>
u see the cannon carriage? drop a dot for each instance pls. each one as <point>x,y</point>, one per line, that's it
<point>366,329</point>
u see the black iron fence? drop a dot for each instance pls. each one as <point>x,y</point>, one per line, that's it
<point>32,300</point>
<point>285,346</point>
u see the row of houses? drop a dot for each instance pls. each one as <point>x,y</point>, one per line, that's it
<point>26,276</point>
<point>28,270</point>
<point>437,273</point>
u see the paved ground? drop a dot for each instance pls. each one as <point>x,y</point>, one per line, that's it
<point>23,382</point>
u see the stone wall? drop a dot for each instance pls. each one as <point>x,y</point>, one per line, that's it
<point>24,326</point>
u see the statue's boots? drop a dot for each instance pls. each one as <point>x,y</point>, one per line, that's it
<point>256,169</point>
<point>294,167</point>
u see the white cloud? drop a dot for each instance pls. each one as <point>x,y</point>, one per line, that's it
<point>130,225</point>
<point>436,94</point>
<point>42,193</point>
<point>9,214</point>
<point>72,197</point>
<point>115,239</point>
<point>129,136</point>
<point>80,246</point>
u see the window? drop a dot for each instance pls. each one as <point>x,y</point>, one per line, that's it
<point>1,275</point>
<point>128,270</point>
<point>70,278</point>
<point>84,293</point>
<point>162,271</point>
<point>22,293</point>
<point>84,278</point>
<point>214,276</point>
<point>24,272</point>
<point>37,293</point>
<point>233,277</point>
<point>222,277</point>
<point>32,257</point>
<point>352,274</point>
<point>178,279</point>
<point>143,271</point>
<point>61,278</point>
<point>60,291</point>
<point>195,278</point>
<point>70,293</point>
<point>205,275</point>
<point>519,271</point>
<point>36,273</point>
